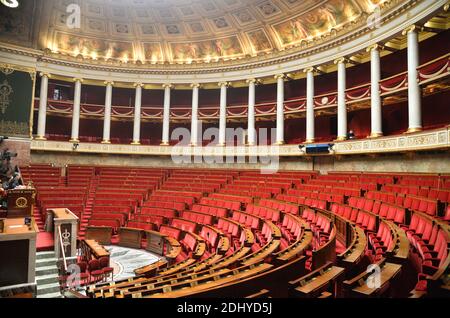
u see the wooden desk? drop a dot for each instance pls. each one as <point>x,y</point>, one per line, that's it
<point>20,202</point>
<point>150,270</point>
<point>355,252</point>
<point>155,242</point>
<point>63,214</point>
<point>295,249</point>
<point>17,253</point>
<point>223,246</point>
<point>249,237</point>
<point>207,284</point>
<point>263,293</point>
<point>130,237</point>
<point>177,267</point>
<point>93,249</point>
<point>327,252</point>
<point>317,283</point>
<point>16,226</point>
<point>101,234</point>
<point>261,254</point>
<point>388,272</point>
<point>200,246</point>
<point>173,249</point>
<point>401,250</point>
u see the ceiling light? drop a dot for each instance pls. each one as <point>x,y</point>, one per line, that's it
<point>10,3</point>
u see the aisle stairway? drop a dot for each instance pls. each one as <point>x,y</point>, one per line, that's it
<point>44,240</point>
<point>38,218</point>
<point>47,275</point>
<point>88,207</point>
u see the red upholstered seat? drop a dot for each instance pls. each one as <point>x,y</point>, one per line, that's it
<point>96,273</point>
<point>107,270</point>
<point>84,275</point>
<point>447,214</point>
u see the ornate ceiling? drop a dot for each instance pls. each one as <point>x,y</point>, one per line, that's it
<point>180,31</point>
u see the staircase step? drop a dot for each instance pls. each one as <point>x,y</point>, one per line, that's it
<point>48,288</point>
<point>47,279</point>
<point>45,262</point>
<point>45,255</point>
<point>46,270</point>
<point>52,295</point>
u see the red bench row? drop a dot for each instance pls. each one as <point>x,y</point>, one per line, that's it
<point>229,205</point>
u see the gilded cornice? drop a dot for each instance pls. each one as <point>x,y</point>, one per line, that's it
<point>333,38</point>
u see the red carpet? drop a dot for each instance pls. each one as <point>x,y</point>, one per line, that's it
<point>44,241</point>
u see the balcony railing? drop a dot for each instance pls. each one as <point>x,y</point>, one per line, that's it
<point>428,72</point>
<point>419,141</point>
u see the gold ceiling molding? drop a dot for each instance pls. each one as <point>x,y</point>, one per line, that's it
<point>318,45</point>
<point>211,33</point>
<point>8,68</point>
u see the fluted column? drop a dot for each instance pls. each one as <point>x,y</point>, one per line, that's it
<point>310,130</point>
<point>194,116</point>
<point>76,110</point>
<point>107,116</point>
<point>42,117</point>
<point>280,108</point>
<point>223,112</point>
<point>251,133</point>
<point>341,104</point>
<point>375,98</point>
<point>137,114</point>
<point>414,101</point>
<point>166,115</point>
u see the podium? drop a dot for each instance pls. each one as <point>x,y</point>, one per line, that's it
<point>20,203</point>
<point>65,231</point>
<point>18,257</point>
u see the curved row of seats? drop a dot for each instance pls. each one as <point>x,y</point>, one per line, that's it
<point>266,232</point>
<point>249,226</point>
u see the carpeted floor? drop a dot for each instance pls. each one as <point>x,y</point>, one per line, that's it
<point>44,242</point>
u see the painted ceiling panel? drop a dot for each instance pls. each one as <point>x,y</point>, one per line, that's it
<point>177,31</point>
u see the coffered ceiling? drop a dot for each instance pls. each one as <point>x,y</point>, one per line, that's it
<point>180,31</point>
